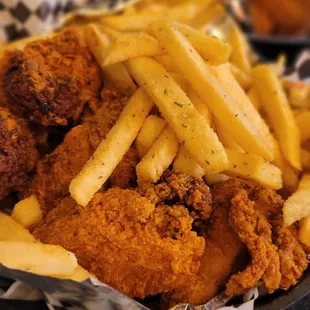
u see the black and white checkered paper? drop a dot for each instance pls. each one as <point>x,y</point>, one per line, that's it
<point>22,18</point>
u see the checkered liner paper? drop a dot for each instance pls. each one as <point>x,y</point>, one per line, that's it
<point>21,18</point>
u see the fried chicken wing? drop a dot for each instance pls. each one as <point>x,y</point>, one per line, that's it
<point>126,242</point>
<point>259,205</point>
<point>176,187</point>
<point>52,79</point>
<point>222,256</point>
<point>18,155</point>
<point>56,170</point>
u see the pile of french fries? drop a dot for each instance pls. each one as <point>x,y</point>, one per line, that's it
<point>220,114</point>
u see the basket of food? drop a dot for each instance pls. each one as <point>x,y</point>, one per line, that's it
<point>147,164</point>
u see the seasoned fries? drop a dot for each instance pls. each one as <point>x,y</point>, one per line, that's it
<point>159,156</point>
<point>150,131</point>
<point>218,54</point>
<point>186,163</point>
<point>275,104</point>
<point>303,123</point>
<point>111,150</point>
<point>117,73</point>
<point>304,231</point>
<point>10,230</point>
<point>38,258</point>
<point>255,168</point>
<point>200,76</point>
<point>131,45</point>
<point>297,206</point>
<point>228,81</point>
<point>190,127</point>
<point>27,212</point>
<point>254,97</point>
<point>240,50</point>
<point>243,79</point>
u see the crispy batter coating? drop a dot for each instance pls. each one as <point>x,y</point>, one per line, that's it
<point>267,204</point>
<point>52,79</point>
<point>56,170</point>
<point>126,242</point>
<point>18,154</point>
<point>179,188</point>
<point>254,230</point>
<point>222,256</point>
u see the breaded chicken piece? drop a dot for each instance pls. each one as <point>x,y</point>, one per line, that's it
<point>56,170</point>
<point>223,254</point>
<point>126,242</point>
<point>52,79</point>
<point>179,188</point>
<point>293,259</point>
<point>18,155</point>
<point>267,204</point>
<point>255,231</point>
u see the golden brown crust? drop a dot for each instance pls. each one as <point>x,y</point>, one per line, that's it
<point>52,79</point>
<point>125,241</point>
<point>18,154</point>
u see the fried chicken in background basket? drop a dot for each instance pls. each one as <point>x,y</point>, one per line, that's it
<point>181,237</point>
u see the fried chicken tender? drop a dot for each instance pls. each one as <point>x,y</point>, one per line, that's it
<point>254,230</point>
<point>222,256</point>
<point>126,242</point>
<point>179,188</point>
<point>18,155</point>
<point>256,206</point>
<point>52,79</point>
<point>56,170</point>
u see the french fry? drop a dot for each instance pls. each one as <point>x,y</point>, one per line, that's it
<point>200,105</point>
<point>190,127</point>
<point>110,32</point>
<point>227,140</point>
<point>240,50</point>
<point>150,131</point>
<point>185,162</point>
<point>10,230</point>
<point>79,274</point>
<point>275,104</point>
<point>159,156</point>
<point>142,20</point>
<point>200,76</point>
<point>305,159</point>
<point>226,78</point>
<point>279,66</point>
<point>304,230</point>
<point>216,178</point>
<point>112,149</point>
<point>167,62</point>
<point>289,174</point>
<point>27,212</point>
<point>303,123</point>
<point>244,80</point>
<point>38,258</point>
<point>131,45</point>
<point>213,50</point>
<point>254,167</point>
<point>207,17</point>
<point>254,97</point>
<point>298,94</point>
<point>297,206</point>
<point>117,73</point>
